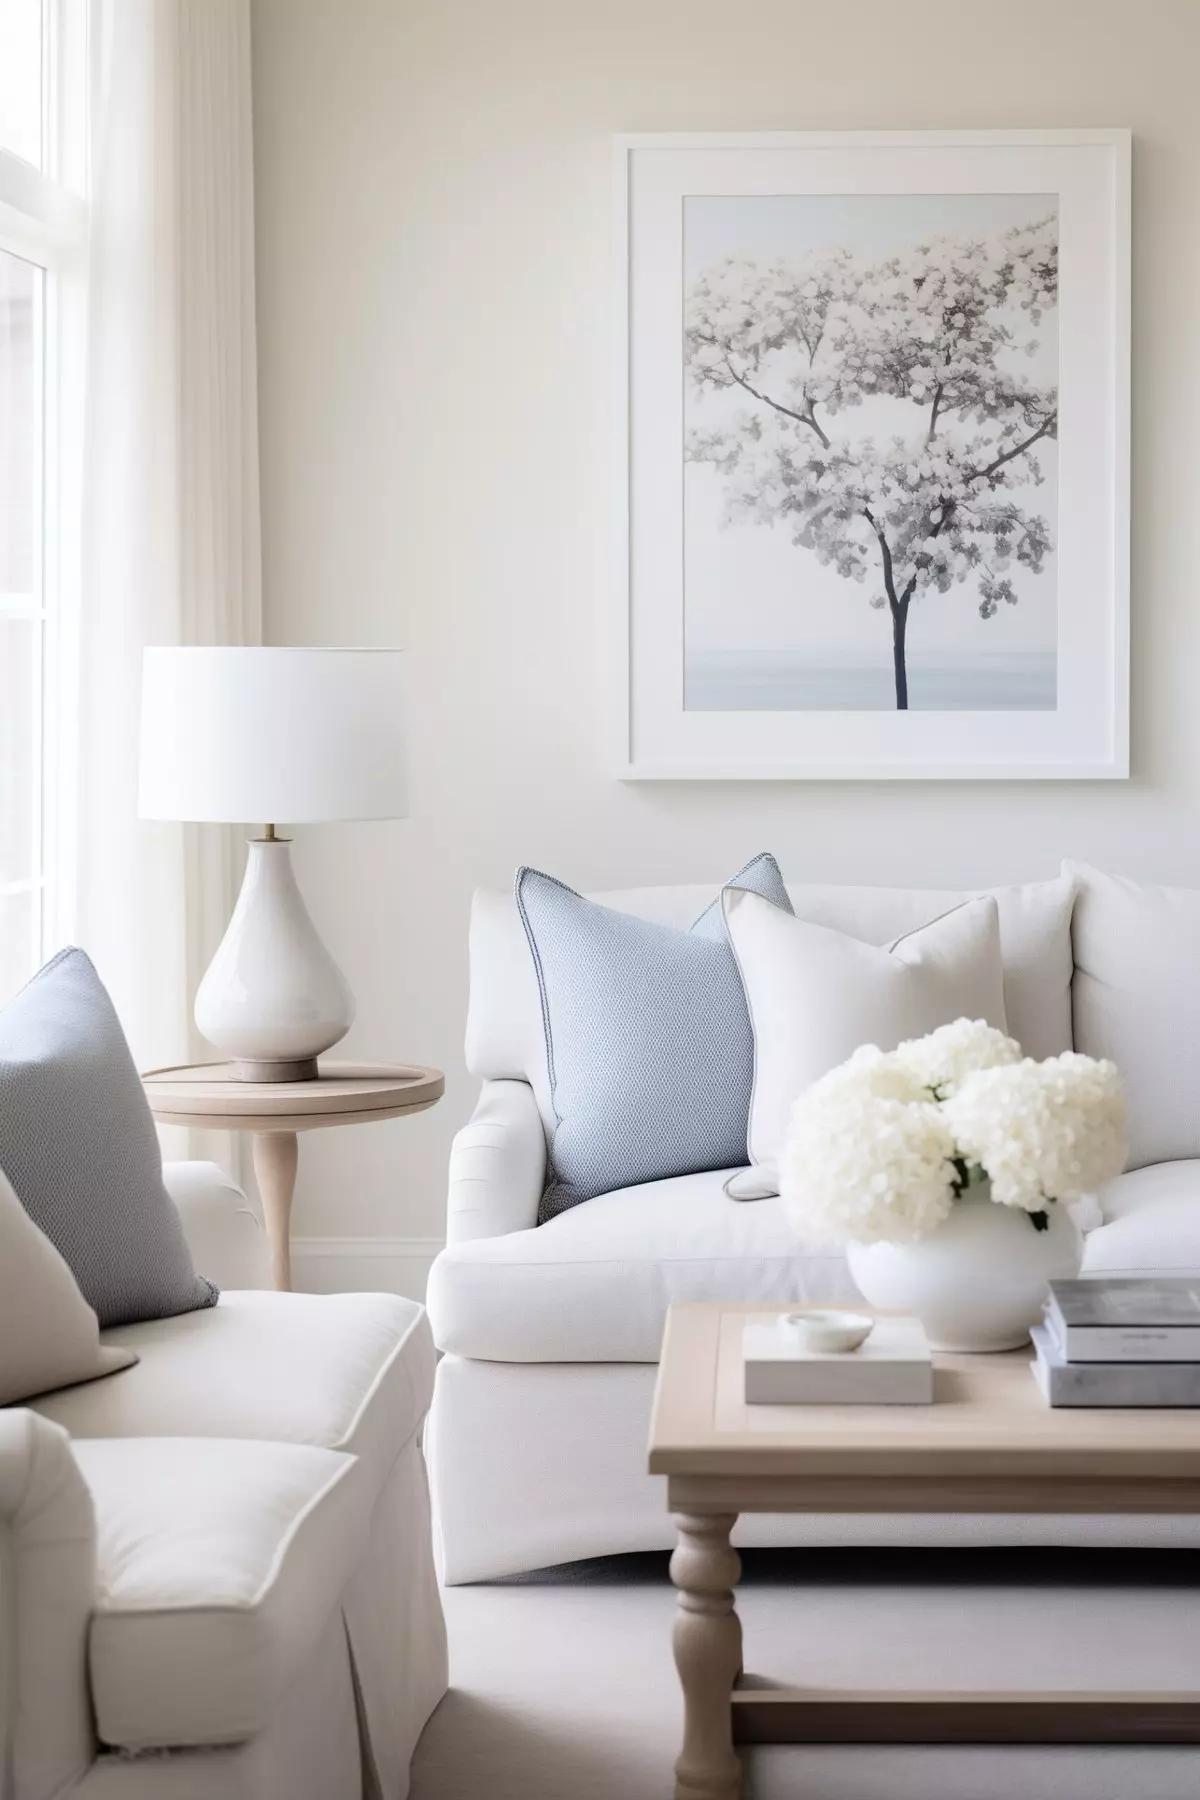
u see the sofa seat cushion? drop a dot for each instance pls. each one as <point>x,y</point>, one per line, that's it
<point>1152,1223</point>
<point>594,1284</point>
<point>219,1563</point>
<point>342,1371</point>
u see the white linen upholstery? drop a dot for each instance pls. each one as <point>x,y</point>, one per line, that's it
<point>218,1564</point>
<point>505,1040</point>
<point>1142,1190</point>
<point>815,995</point>
<point>1136,999</point>
<point>553,1337</point>
<point>343,1371</point>
<point>225,1237</point>
<point>308,1616</point>
<point>542,1463</point>
<point>395,1627</point>
<point>48,1333</point>
<point>504,1026</point>
<point>497,1165</point>
<point>1152,1223</point>
<point>594,1284</point>
<point>310,1750</point>
<point>47,1588</point>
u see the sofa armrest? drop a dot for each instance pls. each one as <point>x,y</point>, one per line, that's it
<point>47,1593</point>
<point>497,1165</point>
<point>224,1236</point>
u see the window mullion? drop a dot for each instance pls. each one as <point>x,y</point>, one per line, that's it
<point>39,219</point>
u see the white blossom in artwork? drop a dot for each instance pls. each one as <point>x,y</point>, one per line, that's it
<point>940,1062</point>
<point>1042,1131</point>
<point>806,341</point>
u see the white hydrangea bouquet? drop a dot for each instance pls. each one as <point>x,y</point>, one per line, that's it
<point>882,1148</point>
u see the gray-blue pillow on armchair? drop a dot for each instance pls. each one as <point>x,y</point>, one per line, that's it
<point>649,1049</point>
<point>78,1144</point>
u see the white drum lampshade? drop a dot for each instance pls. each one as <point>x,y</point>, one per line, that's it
<point>281,736</point>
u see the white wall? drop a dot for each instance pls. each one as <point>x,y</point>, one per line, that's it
<point>433,205</point>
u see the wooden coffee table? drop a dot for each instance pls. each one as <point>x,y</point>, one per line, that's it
<point>988,1444</point>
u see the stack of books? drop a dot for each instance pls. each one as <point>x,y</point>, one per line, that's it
<point>1120,1342</point>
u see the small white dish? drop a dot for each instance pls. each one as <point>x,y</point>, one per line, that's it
<point>828,1333</point>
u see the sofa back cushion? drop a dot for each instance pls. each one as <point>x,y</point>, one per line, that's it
<point>1137,1000</point>
<point>504,1024</point>
<point>647,1054</point>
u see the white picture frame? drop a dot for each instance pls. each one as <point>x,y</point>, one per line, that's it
<point>675,723</point>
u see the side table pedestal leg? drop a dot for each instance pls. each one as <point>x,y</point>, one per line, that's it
<point>708,1655</point>
<point>275,1157</point>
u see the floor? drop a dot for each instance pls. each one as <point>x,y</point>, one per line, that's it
<point>562,1686</point>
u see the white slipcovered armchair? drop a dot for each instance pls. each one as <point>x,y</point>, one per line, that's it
<point>216,1575</point>
<point>550,1334</point>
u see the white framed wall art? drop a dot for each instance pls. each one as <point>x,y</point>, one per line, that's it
<point>874,462</point>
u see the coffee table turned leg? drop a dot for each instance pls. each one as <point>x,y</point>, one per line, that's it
<point>708,1655</point>
<point>275,1157</point>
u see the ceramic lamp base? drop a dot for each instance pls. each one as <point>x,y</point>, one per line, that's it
<point>303,1068</point>
<point>273,999</point>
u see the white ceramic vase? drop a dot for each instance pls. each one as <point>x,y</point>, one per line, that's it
<point>980,1280</point>
<point>273,998</point>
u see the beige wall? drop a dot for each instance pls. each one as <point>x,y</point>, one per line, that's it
<point>433,193</point>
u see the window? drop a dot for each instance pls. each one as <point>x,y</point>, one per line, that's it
<point>22,29</point>
<point>42,273</point>
<point>22,616</point>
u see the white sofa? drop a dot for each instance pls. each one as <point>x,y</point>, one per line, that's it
<point>550,1334</point>
<point>216,1573</point>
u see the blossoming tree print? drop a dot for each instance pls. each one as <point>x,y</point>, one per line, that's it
<point>871,410</point>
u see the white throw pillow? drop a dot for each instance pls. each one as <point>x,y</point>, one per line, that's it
<point>815,995</point>
<point>49,1337</point>
<point>1137,1000</point>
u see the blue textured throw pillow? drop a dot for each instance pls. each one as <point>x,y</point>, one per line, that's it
<point>649,1050</point>
<point>79,1147</point>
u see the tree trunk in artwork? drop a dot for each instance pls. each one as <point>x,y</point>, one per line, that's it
<point>899,610</point>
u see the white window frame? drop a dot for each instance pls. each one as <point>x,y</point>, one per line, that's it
<point>44,221</point>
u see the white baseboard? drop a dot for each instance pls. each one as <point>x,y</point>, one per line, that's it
<point>357,1265</point>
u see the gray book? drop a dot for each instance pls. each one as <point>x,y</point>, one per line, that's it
<point>1111,1384</point>
<point>1126,1319</point>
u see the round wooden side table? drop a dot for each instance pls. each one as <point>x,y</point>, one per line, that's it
<point>211,1096</point>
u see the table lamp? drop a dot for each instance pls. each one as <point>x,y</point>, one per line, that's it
<point>278,735</point>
